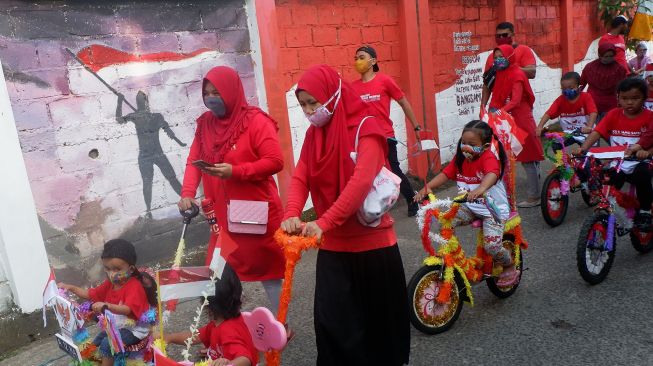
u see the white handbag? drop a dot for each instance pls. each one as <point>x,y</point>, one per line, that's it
<point>382,196</point>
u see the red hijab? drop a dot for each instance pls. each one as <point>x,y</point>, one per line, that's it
<point>327,148</point>
<point>604,77</point>
<point>217,135</point>
<point>507,78</point>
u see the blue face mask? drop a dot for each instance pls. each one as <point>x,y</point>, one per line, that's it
<point>570,94</point>
<point>501,63</point>
<point>215,105</point>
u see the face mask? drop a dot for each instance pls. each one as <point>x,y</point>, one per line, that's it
<point>607,61</point>
<point>216,105</point>
<point>503,40</point>
<point>471,152</point>
<point>570,94</point>
<point>362,66</point>
<point>119,278</point>
<point>321,116</point>
<point>501,63</point>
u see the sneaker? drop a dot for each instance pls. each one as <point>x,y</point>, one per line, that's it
<point>643,221</point>
<point>413,207</point>
<point>584,187</point>
<point>528,204</point>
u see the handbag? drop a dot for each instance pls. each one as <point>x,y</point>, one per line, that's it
<point>247,217</point>
<point>382,196</point>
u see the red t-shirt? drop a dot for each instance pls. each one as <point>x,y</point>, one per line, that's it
<point>572,115</point>
<point>472,172</point>
<point>620,46</point>
<point>523,57</point>
<point>131,294</point>
<point>621,130</point>
<point>377,93</point>
<point>229,339</point>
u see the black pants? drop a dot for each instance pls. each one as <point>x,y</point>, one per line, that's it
<point>641,179</point>
<point>405,188</point>
<point>361,308</point>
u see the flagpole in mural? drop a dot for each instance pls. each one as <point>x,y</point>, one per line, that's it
<point>147,126</point>
<point>114,91</point>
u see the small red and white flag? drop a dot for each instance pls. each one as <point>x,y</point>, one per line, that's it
<point>185,282</point>
<point>506,129</point>
<point>50,292</point>
<point>608,152</point>
<point>161,360</point>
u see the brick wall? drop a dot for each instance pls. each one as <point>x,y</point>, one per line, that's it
<point>538,26</point>
<point>87,166</point>
<point>329,32</point>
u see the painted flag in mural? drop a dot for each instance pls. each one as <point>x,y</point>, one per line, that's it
<point>642,27</point>
<point>185,282</point>
<point>506,129</point>
<point>112,64</point>
<point>49,293</point>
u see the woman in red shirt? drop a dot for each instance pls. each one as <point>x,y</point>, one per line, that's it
<point>513,94</point>
<point>602,77</point>
<point>239,142</point>
<point>360,310</point>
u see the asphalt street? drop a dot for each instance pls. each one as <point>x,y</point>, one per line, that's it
<point>553,318</point>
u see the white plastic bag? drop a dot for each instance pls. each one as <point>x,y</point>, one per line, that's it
<point>382,196</point>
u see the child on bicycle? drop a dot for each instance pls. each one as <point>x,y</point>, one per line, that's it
<point>624,126</point>
<point>575,108</point>
<point>477,168</point>
<point>226,336</point>
<point>127,293</point>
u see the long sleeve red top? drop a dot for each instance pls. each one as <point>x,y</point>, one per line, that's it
<point>342,230</point>
<point>255,158</point>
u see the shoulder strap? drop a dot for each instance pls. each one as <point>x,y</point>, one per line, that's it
<point>358,132</point>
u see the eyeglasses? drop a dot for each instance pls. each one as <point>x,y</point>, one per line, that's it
<point>503,35</point>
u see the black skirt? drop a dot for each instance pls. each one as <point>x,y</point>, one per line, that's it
<point>361,308</point>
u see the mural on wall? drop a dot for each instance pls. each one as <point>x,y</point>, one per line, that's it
<point>102,96</point>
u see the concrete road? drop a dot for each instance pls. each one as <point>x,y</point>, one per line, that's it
<point>553,318</point>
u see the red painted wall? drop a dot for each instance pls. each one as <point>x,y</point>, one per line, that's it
<point>586,26</point>
<point>330,32</point>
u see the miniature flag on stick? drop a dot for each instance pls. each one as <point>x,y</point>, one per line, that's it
<point>184,282</point>
<point>49,293</point>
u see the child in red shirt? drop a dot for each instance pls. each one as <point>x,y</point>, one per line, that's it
<point>127,293</point>
<point>226,337</point>
<point>478,170</point>
<point>575,108</point>
<point>624,126</point>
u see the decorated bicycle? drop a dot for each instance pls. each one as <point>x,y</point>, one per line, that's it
<point>564,178</point>
<point>439,288</point>
<point>613,216</point>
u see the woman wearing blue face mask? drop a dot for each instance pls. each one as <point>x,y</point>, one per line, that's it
<point>360,309</point>
<point>240,152</point>
<point>513,94</point>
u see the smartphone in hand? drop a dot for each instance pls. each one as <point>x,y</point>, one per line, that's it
<point>201,164</point>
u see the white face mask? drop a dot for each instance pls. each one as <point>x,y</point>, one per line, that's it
<point>321,116</point>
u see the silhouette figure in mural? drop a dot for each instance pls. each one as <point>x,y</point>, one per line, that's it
<point>150,152</point>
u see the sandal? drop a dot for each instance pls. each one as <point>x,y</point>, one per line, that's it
<point>508,277</point>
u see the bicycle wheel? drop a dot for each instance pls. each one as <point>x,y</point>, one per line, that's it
<point>593,259</point>
<point>426,314</point>
<point>554,203</point>
<point>642,241</point>
<point>506,291</point>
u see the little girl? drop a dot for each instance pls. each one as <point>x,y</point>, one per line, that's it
<point>477,170</point>
<point>127,293</point>
<point>226,337</point>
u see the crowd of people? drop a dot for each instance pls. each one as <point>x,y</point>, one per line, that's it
<point>359,273</point>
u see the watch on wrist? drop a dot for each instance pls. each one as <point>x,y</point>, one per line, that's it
<point>417,128</point>
<point>105,307</point>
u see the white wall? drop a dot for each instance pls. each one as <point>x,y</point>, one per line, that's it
<point>23,260</point>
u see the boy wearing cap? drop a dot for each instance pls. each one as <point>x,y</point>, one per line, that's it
<point>376,89</point>
<point>615,36</point>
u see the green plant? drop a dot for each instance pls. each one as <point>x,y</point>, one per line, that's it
<point>608,9</point>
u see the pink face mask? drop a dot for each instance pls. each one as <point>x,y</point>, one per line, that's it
<point>321,116</point>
